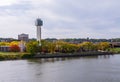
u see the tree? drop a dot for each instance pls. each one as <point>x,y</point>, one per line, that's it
<point>32,47</point>
<point>14,43</point>
<point>4,43</point>
<point>66,47</point>
<point>71,48</point>
<point>103,46</point>
<point>59,46</point>
<point>51,47</point>
<point>87,46</point>
<point>14,48</point>
<point>45,46</point>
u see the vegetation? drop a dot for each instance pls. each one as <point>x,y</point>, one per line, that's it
<point>52,47</point>
<point>65,47</point>
<point>115,50</point>
<point>32,47</point>
<point>80,40</point>
<point>103,46</point>
<point>14,48</point>
<point>13,56</point>
<point>88,46</point>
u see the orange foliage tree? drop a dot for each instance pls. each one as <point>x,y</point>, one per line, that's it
<point>14,48</point>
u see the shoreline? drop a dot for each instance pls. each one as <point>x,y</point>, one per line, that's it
<point>4,57</point>
<point>61,55</point>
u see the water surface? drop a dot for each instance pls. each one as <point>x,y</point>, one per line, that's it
<point>82,69</point>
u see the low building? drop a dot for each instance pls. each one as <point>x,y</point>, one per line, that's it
<point>7,39</point>
<point>4,48</point>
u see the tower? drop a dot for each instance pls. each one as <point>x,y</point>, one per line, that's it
<point>38,24</point>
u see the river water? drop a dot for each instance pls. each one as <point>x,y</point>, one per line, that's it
<point>82,69</point>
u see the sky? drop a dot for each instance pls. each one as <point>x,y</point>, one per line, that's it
<point>61,18</point>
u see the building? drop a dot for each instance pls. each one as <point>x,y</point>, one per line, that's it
<point>23,37</point>
<point>4,48</point>
<point>7,39</point>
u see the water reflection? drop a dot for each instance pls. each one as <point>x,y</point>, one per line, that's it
<point>105,56</point>
<point>52,60</point>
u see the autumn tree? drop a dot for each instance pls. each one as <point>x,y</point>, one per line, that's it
<point>65,47</point>
<point>14,48</point>
<point>4,43</point>
<point>103,46</point>
<point>87,46</point>
<point>45,46</point>
<point>14,43</point>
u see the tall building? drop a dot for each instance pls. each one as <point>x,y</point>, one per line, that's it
<point>23,37</point>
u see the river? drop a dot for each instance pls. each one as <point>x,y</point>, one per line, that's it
<point>82,69</point>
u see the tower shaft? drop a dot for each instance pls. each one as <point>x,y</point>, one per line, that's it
<point>39,34</point>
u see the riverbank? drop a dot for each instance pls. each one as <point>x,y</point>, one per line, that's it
<point>17,56</point>
<point>14,56</point>
<point>81,54</point>
<point>115,50</point>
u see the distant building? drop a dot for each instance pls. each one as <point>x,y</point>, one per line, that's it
<point>23,37</point>
<point>4,48</point>
<point>7,39</point>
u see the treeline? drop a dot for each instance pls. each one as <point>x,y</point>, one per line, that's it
<point>59,46</point>
<point>72,40</point>
<point>80,40</point>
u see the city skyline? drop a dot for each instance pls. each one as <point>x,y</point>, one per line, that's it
<point>61,18</point>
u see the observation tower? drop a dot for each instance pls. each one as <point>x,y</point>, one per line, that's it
<point>38,24</point>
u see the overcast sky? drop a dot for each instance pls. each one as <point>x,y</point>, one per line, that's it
<point>62,18</point>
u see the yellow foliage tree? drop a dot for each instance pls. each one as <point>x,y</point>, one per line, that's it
<point>4,43</point>
<point>103,46</point>
<point>14,43</point>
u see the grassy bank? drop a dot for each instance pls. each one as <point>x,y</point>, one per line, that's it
<point>115,50</point>
<point>14,55</point>
<point>18,55</point>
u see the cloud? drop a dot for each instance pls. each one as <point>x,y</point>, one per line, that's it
<point>7,2</point>
<point>62,18</point>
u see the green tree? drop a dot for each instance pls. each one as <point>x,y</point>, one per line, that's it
<point>32,47</point>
